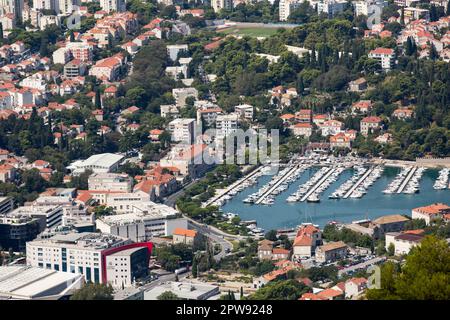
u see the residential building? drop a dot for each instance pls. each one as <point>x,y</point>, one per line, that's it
<point>355,287</point>
<point>411,13</point>
<point>75,68</point>
<point>369,124</point>
<point>302,129</point>
<point>189,160</point>
<point>331,252</point>
<point>385,56</point>
<point>113,5</point>
<point>390,223</point>
<point>265,249</point>
<point>226,124</point>
<point>403,242</point>
<point>185,236</point>
<point>362,106</point>
<point>357,85</point>
<point>174,50</point>
<point>340,140</point>
<point>431,212</point>
<point>245,111</point>
<point>218,5</point>
<point>286,7</point>
<point>182,130</point>
<point>181,94</point>
<point>307,239</point>
<point>331,7</point>
<point>403,113</point>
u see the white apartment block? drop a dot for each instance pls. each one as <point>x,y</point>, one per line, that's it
<point>218,5</point>
<point>144,220</point>
<point>173,50</point>
<point>12,6</point>
<point>61,55</point>
<point>110,182</point>
<point>245,111</point>
<point>182,130</point>
<point>59,6</point>
<point>331,7</point>
<point>226,124</point>
<point>286,7</point>
<point>181,94</point>
<point>363,7</point>
<point>79,253</point>
<point>385,56</point>
<point>113,5</point>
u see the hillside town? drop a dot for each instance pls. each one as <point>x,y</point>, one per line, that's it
<point>114,183</point>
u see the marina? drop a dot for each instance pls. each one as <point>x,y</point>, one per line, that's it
<point>373,204</point>
<point>442,180</point>
<point>359,189</point>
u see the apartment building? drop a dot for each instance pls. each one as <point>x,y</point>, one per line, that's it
<point>331,7</point>
<point>226,124</point>
<point>181,94</point>
<point>385,56</point>
<point>286,7</point>
<point>218,5</point>
<point>245,111</point>
<point>174,49</point>
<point>113,5</point>
<point>331,251</point>
<point>431,212</point>
<point>190,160</point>
<point>110,182</point>
<point>364,7</point>
<point>369,124</point>
<point>75,68</point>
<point>182,130</point>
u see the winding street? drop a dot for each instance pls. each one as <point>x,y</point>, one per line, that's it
<point>215,235</point>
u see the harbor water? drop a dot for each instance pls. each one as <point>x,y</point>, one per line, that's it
<point>282,214</point>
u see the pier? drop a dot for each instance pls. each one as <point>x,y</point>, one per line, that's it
<point>232,186</point>
<point>314,188</point>
<point>280,181</point>
<point>407,178</point>
<point>356,185</point>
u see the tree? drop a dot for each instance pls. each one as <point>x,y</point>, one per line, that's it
<point>271,235</point>
<point>280,290</point>
<point>43,50</point>
<point>168,295</point>
<point>391,249</point>
<point>98,99</point>
<point>1,32</point>
<point>423,277</point>
<point>94,291</point>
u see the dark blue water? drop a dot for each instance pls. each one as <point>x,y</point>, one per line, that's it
<point>372,205</point>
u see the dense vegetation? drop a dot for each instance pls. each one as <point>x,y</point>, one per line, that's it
<point>425,275</point>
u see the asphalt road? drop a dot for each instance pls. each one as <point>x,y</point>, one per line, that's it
<point>362,265</point>
<point>215,235</point>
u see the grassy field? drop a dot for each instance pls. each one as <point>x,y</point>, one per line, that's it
<point>250,31</point>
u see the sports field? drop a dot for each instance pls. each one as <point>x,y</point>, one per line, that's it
<point>250,31</point>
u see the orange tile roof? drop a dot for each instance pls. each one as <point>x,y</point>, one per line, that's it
<point>435,208</point>
<point>185,232</point>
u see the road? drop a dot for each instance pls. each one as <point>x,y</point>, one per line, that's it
<point>362,265</point>
<point>215,235</point>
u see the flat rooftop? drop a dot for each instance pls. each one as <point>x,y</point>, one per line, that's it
<point>86,240</point>
<point>25,282</point>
